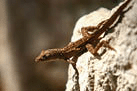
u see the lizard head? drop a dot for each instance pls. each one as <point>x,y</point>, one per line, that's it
<point>46,55</point>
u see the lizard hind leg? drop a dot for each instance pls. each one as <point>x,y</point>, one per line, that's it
<point>102,23</point>
<point>94,50</point>
<point>85,30</point>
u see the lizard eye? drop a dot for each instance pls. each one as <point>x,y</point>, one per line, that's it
<point>44,57</point>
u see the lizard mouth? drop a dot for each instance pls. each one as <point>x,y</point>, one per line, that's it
<point>37,60</point>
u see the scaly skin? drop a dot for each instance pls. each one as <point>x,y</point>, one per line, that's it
<point>90,42</point>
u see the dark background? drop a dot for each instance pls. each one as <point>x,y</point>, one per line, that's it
<point>34,25</point>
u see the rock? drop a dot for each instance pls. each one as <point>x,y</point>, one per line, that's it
<point>115,70</point>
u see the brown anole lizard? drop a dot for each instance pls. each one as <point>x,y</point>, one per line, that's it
<point>89,42</point>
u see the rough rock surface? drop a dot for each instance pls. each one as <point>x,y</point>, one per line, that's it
<point>114,71</point>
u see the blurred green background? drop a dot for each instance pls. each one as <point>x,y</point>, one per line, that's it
<point>27,27</point>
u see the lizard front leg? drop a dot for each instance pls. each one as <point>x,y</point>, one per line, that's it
<point>75,77</point>
<point>73,61</point>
